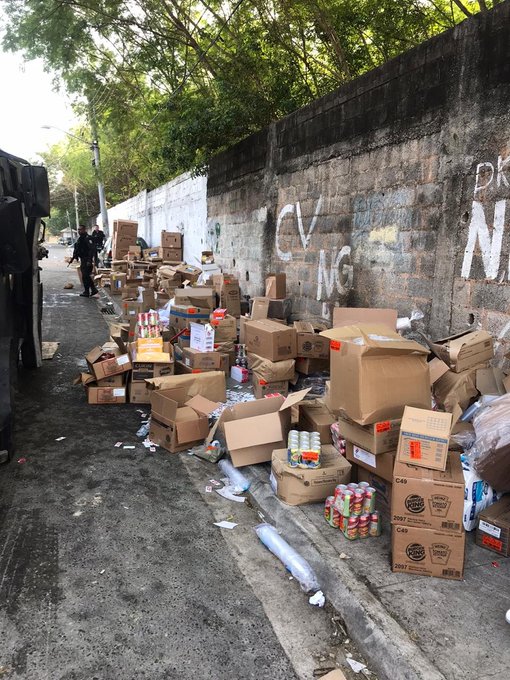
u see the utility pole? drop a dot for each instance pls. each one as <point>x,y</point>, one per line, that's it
<point>97,168</point>
<point>76,207</point>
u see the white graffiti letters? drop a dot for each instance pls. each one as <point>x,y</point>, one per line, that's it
<point>286,210</point>
<point>340,273</point>
<point>490,247</point>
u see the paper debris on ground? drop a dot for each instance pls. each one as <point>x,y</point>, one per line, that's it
<point>117,444</point>
<point>59,439</point>
<point>318,600</point>
<point>228,493</point>
<point>128,446</point>
<point>49,349</point>
<point>68,286</point>
<point>208,489</point>
<point>225,525</point>
<point>214,482</point>
<point>356,666</point>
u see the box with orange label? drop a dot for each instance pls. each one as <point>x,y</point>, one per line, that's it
<point>377,438</point>
<point>424,437</point>
<point>493,530</point>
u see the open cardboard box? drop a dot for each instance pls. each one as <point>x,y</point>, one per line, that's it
<point>464,350</point>
<point>109,390</point>
<point>177,423</point>
<point>119,363</point>
<point>210,385</point>
<point>254,429</point>
<point>424,437</point>
<point>310,344</point>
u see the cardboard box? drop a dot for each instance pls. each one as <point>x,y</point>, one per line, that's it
<point>375,373</point>
<point>129,227</point>
<point>271,371</point>
<point>490,381</point>
<point>381,465</point>
<point>437,369</point>
<point>276,286</point>
<point>259,308</point>
<point>222,278</point>
<point>493,531</point>
<point>376,438</point>
<point>119,363</point>
<point>170,254</point>
<point>177,423</point>
<point>427,552</point>
<point>192,296</point>
<point>171,239</point>
<point>310,344</point>
<point>297,486</point>
<point>270,340</point>
<point>188,272</point>
<point>230,298</point>
<point>117,282</point>
<point>464,350</point>
<point>139,393</point>
<point>225,329</point>
<point>430,499</point>
<point>262,388</point>
<point>424,437</point>
<point>146,367</point>
<point>202,337</point>
<point>193,358</point>
<point>105,395</point>
<point>382,486</point>
<point>455,390</point>
<point>112,380</point>
<point>254,429</point>
<point>352,316</point>
<point>210,385</point>
<point>308,366</point>
<point>314,416</point>
<point>182,316</point>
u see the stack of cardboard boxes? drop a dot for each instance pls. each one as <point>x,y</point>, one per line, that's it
<point>271,350</point>
<point>170,249</point>
<point>312,349</point>
<point>124,235</point>
<point>229,292</point>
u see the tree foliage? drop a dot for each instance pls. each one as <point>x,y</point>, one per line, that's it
<point>171,82</point>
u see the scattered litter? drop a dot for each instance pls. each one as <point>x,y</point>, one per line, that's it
<point>143,431</point>
<point>225,525</point>
<point>356,666</point>
<point>102,571</point>
<point>237,480</point>
<point>49,349</point>
<point>59,439</point>
<point>291,578</point>
<point>139,410</point>
<point>494,564</point>
<point>126,507</point>
<point>78,513</point>
<point>117,444</point>
<point>230,494</point>
<point>152,449</point>
<point>318,600</point>
<point>507,616</point>
<point>343,556</point>
<point>214,482</point>
<point>144,415</point>
<point>68,286</point>
<point>128,446</point>
<point>208,489</point>
<point>24,460</point>
<point>292,560</point>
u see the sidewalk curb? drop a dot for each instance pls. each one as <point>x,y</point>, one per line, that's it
<point>384,643</point>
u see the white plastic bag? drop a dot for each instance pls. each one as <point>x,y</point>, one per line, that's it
<point>478,495</point>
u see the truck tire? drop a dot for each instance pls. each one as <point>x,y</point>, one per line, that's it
<point>31,348</point>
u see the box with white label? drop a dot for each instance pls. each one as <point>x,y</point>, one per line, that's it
<point>106,395</point>
<point>202,337</point>
<point>381,464</point>
<point>493,530</point>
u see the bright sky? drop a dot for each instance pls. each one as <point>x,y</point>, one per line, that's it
<point>28,101</point>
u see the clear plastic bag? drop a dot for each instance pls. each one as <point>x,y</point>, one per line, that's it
<point>491,450</point>
<point>292,560</point>
<point>478,495</point>
<point>410,323</point>
<point>238,482</point>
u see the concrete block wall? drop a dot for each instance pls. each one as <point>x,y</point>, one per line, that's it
<point>391,191</point>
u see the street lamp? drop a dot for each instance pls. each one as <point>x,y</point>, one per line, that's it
<point>94,146</point>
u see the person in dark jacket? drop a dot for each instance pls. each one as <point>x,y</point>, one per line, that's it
<point>98,239</point>
<point>85,251</point>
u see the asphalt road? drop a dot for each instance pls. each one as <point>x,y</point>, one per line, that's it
<point>110,565</point>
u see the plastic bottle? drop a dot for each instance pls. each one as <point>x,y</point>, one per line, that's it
<point>238,481</point>
<point>292,560</point>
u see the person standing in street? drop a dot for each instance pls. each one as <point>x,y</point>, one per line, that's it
<point>85,251</point>
<point>98,239</point>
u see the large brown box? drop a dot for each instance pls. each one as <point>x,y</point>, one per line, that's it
<point>427,552</point>
<point>225,329</point>
<point>464,350</point>
<point>119,363</point>
<point>270,339</point>
<point>271,371</point>
<point>493,531</point>
<point>106,395</point>
<point>381,465</point>
<point>170,254</point>
<point>310,344</point>
<point>203,298</point>
<point>429,499</point>
<point>139,393</point>
<point>375,373</point>
<point>171,239</point>
<point>192,358</point>
<point>276,286</point>
<point>375,438</point>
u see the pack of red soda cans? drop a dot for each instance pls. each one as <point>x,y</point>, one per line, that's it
<point>352,510</point>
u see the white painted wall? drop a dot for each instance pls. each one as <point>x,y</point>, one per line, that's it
<point>179,205</point>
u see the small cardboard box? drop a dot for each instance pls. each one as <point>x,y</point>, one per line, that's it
<point>259,308</point>
<point>271,371</point>
<point>193,358</point>
<point>119,363</point>
<point>117,282</point>
<point>270,340</point>
<point>310,344</point>
<point>427,552</point>
<point>297,486</point>
<point>189,272</point>
<point>381,465</point>
<point>112,380</point>
<point>375,373</point>
<point>254,429</point>
<point>150,366</point>
<point>230,298</point>
<point>430,499</point>
<point>376,438</point>
<point>181,316</point>
<point>170,254</point>
<point>210,385</point>
<point>129,227</point>
<point>192,296</point>
<point>424,437</point>
<point>352,316</point>
<point>464,350</point>
<point>177,423</point>
<point>493,531</point>
<point>225,329</point>
<point>276,286</point>
<point>314,416</point>
<point>106,395</point>
<point>202,337</point>
<point>139,393</point>
<point>220,279</point>
<point>262,388</point>
<point>308,366</point>
<point>171,239</point>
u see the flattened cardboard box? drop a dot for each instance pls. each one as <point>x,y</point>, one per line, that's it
<point>254,429</point>
<point>314,416</point>
<point>120,363</point>
<point>297,486</point>
<point>426,552</point>
<point>262,388</point>
<point>424,437</point>
<point>381,465</point>
<point>430,499</point>
<point>310,344</point>
<point>376,438</point>
<point>464,350</point>
<point>270,340</point>
<point>493,531</point>
<point>210,385</point>
<point>375,373</point>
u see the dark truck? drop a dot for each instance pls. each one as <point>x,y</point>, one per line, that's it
<point>24,200</point>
